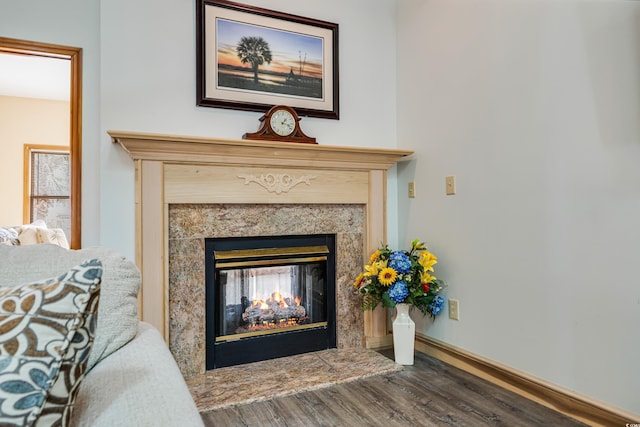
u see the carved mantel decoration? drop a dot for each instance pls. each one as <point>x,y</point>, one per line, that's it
<point>195,170</point>
<point>277,183</point>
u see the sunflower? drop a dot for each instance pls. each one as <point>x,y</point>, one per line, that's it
<point>387,276</point>
<point>358,281</point>
<point>374,257</point>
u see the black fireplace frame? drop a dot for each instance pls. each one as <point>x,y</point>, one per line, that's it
<point>286,343</point>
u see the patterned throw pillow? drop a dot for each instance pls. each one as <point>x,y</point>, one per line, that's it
<point>9,236</point>
<point>46,333</point>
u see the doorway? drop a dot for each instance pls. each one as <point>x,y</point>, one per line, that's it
<point>38,51</point>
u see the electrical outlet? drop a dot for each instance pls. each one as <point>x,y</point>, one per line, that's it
<point>450,183</point>
<point>454,309</point>
<point>412,190</point>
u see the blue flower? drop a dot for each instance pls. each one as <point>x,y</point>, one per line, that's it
<point>436,306</point>
<point>400,262</point>
<point>398,291</point>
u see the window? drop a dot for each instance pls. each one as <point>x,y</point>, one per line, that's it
<point>47,186</point>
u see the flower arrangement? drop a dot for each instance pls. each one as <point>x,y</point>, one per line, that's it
<point>394,277</point>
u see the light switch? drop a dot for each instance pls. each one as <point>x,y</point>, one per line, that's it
<point>450,185</point>
<point>412,190</point>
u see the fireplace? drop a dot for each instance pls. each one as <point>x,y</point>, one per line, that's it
<point>268,297</point>
<point>192,188</point>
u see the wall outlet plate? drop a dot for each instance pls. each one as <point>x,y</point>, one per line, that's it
<point>454,309</point>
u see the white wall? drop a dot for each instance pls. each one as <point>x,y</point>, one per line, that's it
<point>70,23</point>
<point>148,80</point>
<point>535,107</point>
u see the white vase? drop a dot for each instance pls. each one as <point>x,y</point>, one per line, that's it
<point>404,332</point>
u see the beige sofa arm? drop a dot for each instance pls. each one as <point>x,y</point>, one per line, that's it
<point>138,385</point>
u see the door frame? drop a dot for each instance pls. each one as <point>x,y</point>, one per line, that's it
<point>74,55</point>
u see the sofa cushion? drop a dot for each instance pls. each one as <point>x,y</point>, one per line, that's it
<point>46,332</point>
<point>138,385</point>
<point>118,311</point>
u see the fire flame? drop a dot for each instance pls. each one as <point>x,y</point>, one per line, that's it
<point>276,311</point>
<point>275,297</point>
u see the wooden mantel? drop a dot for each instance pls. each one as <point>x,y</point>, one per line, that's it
<point>170,148</point>
<point>185,169</point>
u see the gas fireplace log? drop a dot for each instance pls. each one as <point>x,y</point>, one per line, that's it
<point>274,313</point>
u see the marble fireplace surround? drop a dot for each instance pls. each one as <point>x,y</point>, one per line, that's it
<point>190,188</point>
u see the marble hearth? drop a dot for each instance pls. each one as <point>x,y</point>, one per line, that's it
<point>190,188</point>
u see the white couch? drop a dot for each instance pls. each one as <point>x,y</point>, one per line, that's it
<point>132,378</point>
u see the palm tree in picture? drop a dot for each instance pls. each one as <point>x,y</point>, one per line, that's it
<point>254,50</point>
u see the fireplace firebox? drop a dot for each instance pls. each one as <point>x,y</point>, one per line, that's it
<point>268,297</point>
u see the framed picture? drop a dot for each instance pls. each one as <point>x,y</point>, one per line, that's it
<point>249,58</point>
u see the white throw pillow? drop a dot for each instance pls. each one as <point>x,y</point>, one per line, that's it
<point>54,236</point>
<point>29,236</point>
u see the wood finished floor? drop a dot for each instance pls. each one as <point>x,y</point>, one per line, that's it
<point>430,393</point>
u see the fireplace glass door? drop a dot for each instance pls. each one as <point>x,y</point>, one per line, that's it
<point>287,295</point>
<point>270,297</point>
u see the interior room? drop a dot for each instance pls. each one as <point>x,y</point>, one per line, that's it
<point>44,149</point>
<point>504,134</point>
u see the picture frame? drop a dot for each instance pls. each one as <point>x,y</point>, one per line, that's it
<point>250,58</point>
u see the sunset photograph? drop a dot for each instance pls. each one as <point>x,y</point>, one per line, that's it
<point>268,60</point>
